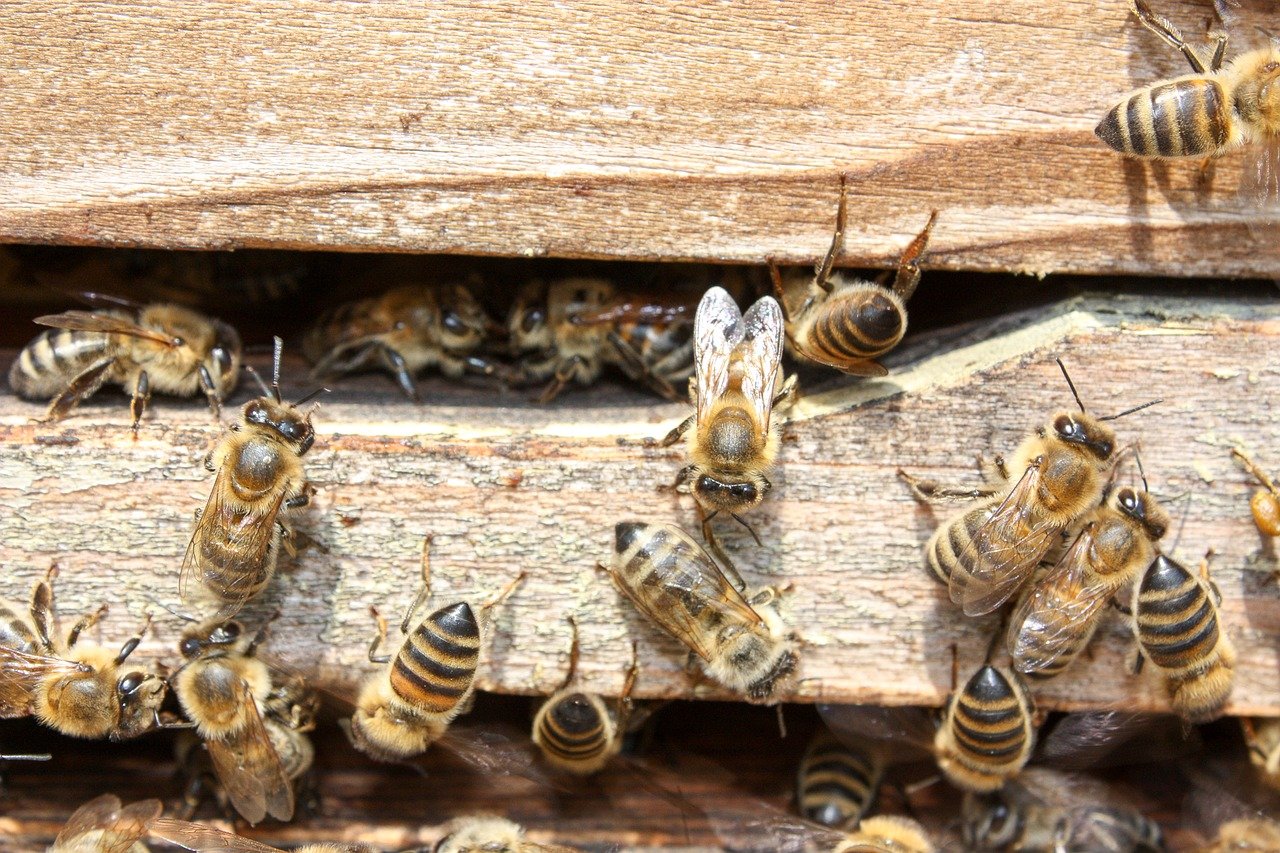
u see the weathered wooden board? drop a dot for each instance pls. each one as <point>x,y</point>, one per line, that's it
<point>505,486</point>
<point>601,128</point>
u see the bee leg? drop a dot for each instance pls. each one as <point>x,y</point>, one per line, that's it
<point>1138,660</point>
<point>424,569</point>
<point>1124,609</point>
<point>131,644</point>
<point>503,593</point>
<point>678,433</point>
<point>485,367</point>
<point>1257,473</point>
<point>85,622</point>
<point>788,394</point>
<point>565,371</point>
<point>394,362</point>
<point>1162,27</point>
<point>643,371</point>
<point>625,706</point>
<point>379,638</point>
<point>928,490</point>
<point>208,462</point>
<point>80,389</point>
<point>908,277</point>
<point>713,544</point>
<point>210,392</point>
<point>141,396</point>
<point>43,613</point>
<point>821,285</point>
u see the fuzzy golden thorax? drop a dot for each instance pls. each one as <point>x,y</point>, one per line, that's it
<point>757,661</point>
<point>1256,94</point>
<point>82,704</point>
<point>385,728</point>
<point>204,342</point>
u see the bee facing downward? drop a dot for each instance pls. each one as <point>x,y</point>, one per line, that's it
<point>849,324</point>
<point>142,348</point>
<point>234,547</point>
<point>734,441</point>
<point>74,687</point>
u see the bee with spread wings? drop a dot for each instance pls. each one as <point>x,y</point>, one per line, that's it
<point>732,439</point>
<point>233,550</point>
<point>103,825</point>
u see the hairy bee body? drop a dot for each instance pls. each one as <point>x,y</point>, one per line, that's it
<point>1059,612</point>
<point>568,330</point>
<point>988,552</point>
<point>1176,623</point>
<point>1262,737</point>
<point>235,546</point>
<point>886,834</point>
<point>987,732</point>
<point>104,825</point>
<point>1200,115</point>
<point>576,732</point>
<point>743,644</point>
<point>1026,825</point>
<point>157,347</point>
<point>836,786</point>
<point>485,834</point>
<point>70,685</point>
<point>1246,834</point>
<point>404,331</point>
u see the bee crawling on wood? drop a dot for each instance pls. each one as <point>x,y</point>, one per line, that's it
<point>142,348</point>
<point>848,324</point>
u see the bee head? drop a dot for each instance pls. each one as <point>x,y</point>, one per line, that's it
<point>1142,508</point>
<point>196,640</point>
<point>1086,432</point>
<point>527,324</point>
<point>284,419</point>
<point>140,696</point>
<point>733,496</point>
<point>222,362</point>
<point>463,323</point>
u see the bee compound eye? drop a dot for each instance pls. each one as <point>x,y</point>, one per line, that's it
<point>454,323</point>
<point>532,319</point>
<point>131,682</point>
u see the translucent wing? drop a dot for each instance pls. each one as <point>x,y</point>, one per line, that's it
<point>717,330</point>
<point>1004,551</point>
<point>908,730</point>
<point>1095,739</point>
<point>495,751</point>
<point>761,355</point>
<point>249,768</point>
<point>228,550</point>
<point>1059,607</point>
<point>119,827</point>
<point>1260,187</point>
<point>21,674</point>
<point>627,308</point>
<point>92,321</point>
<point>1250,24</point>
<point>205,839</point>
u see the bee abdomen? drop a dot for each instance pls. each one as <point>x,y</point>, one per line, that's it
<point>52,359</point>
<point>1177,624</point>
<point>337,326</point>
<point>836,784</point>
<point>989,719</point>
<point>573,730</point>
<point>437,662</point>
<point>947,550</point>
<point>1185,118</point>
<point>862,325</point>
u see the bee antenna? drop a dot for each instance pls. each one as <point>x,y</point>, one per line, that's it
<point>1182,522</point>
<point>1070,384</point>
<point>266,392</point>
<point>750,530</point>
<point>1137,457</point>
<point>185,617</point>
<point>307,398</point>
<point>1131,411</point>
<point>276,350</point>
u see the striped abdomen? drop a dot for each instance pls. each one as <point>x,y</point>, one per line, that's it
<point>1109,830</point>
<point>665,571</point>
<point>226,567</point>
<point>855,324</point>
<point>989,724</point>
<point>47,365</point>
<point>573,731</point>
<point>836,785</point>
<point>1190,117</point>
<point>437,662</point>
<point>1177,624</point>
<point>15,632</point>
<point>952,540</point>
<point>341,325</point>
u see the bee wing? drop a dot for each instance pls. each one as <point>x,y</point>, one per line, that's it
<point>205,839</point>
<point>717,330</point>
<point>628,308</point>
<point>248,536</point>
<point>249,768</point>
<point>698,585</point>
<point>1096,739</point>
<point>761,356</point>
<point>92,321</point>
<point>495,751</point>
<point>1260,187</point>
<point>908,730</point>
<point>1004,551</point>
<point>21,674</point>
<point>120,827</point>
<point>1053,611</point>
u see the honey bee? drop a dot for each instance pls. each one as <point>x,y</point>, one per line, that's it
<point>207,839</point>
<point>1265,502</point>
<point>141,348</point>
<point>488,834</point>
<point>987,731</point>
<point>742,643</point>
<point>1207,113</point>
<point>570,329</point>
<point>104,825</point>
<point>837,785</point>
<point>1175,620</point>
<point>1057,615</point>
<point>987,553</point>
<point>1254,835</point>
<point>226,691</point>
<point>403,331</point>
<point>429,681</point>
<point>72,686</point>
<point>738,370</point>
<point>1262,736</point>
<point>849,324</point>
<point>1016,819</point>
<point>260,479</point>
<point>576,732</point>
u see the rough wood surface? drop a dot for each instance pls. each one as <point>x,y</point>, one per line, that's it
<point>506,486</point>
<point>601,128</point>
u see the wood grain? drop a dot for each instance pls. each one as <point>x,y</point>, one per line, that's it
<point>600,128</point>
<point>506,486</point>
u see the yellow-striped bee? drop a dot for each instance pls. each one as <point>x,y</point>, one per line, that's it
<point>142,348</point>
<point>837,784</point>
<point>1175,620</point>
<point>576,732</point>
<point>428,682</point>
<point>104,825</point>
<point>848,324</point>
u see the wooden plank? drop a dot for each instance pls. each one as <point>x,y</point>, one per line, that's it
<point>506,486</point>
<point>601,128</point>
